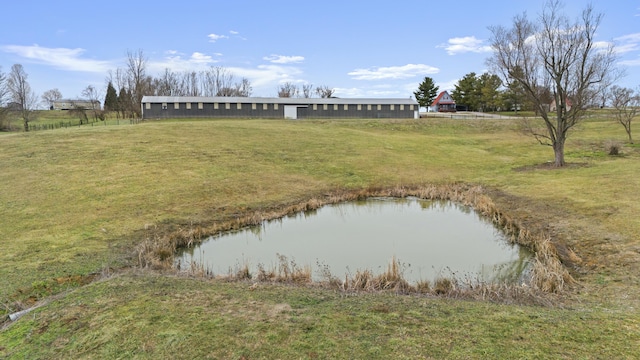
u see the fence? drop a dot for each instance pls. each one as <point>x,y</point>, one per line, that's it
<point>69,124</point>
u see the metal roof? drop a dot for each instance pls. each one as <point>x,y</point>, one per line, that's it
<point>283,101</point>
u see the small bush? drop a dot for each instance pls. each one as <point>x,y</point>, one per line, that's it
<point>613,147</point>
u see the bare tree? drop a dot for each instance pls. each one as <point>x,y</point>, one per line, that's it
<point>307,90</point>
<point>627,104</point>
<point>324,91</point>
<point>137,80</point>
<point>557,55</point>
<point>166,84</point>
<point>91,94</point>
<point>287,90</point>
<point>21,93</point>
<point>51,96</point>
<point>4,96</point>
<point>244,87</point>
<point>215,79</point>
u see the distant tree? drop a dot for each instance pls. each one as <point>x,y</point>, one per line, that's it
<point>427,92</point>
<point>137,80</point>
<point>4,96</point>
<point>489,91</point>
<point>468,92</point>
<point>515,96</point>
<point>124,102</point>
<point>626,102</point>
<point>307,90</point>
<point>80,112</point>
<point>214,79</point>
<point>243,88</point>
<point>91,94</point>
<point>554,55</point>
<point>287,90</point>
<point>21,93</point>
<point>50,96</point>
<point>111,98</point>
<point>324,91</point>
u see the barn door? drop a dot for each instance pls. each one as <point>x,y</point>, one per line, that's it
<point>290,112</point>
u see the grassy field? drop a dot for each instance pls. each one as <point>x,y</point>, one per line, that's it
<point>76,202</point>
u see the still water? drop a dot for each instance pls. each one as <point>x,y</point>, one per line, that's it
<point>430,239</point>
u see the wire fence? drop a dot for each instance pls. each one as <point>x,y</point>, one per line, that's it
<point>70,124</point>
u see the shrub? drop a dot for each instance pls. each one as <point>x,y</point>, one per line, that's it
<point>613,147</point>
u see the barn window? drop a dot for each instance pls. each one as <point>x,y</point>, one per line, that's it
<point>164,106</point>
<point>410,107</point>
<point>392,107</point>
<point>188,106</point>
<point>239,106</point>
<point>359,107</point>
<point>147,106</point>
<point>401,107</point>
<point>254,106</point>
<point>346,106</point>
<point>368,106</point>
<point>325,106</point>
<point>315,106</point>
<point>227,106</point>
<point>335,106</point>
<point>275,106</point>
<point>200,106</point>
<point>215,106</point>
<point>265,106</point>
<point>176,106</point>
<point>379,107</point>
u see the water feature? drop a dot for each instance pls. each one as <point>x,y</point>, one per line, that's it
<point>430,239</point>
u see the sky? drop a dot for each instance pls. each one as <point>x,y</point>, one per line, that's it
<point>370,49</point>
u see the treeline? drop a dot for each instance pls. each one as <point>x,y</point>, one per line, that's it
<point>126,86</point>
<point>488,93</point>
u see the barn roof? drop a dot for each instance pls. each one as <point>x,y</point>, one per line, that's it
<point>283,101</point>
<point>439,101</point>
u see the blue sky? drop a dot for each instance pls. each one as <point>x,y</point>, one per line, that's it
<point>359,48</point>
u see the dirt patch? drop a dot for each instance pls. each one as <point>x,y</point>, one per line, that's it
<point>550,166</point>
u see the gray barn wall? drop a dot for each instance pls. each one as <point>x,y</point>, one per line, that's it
<point>208,111</point>
<point>247,110</point>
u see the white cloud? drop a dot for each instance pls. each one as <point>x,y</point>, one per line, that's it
<point>263,76</point>
<point>233,32</point>
<point>634,62</point>
<point>282,59</point>
<point>177,62</point>
<point>216,37</point>
<point>393,72</point>
<point>348,92</point>
<point>61,58</point>
<point>627,43</point>
<point>465,44</point>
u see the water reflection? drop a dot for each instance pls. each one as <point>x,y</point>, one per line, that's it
<point>431,239</point>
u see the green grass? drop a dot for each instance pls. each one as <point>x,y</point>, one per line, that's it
<point>76,201</point>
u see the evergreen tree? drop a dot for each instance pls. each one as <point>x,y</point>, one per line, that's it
<point>123,102</point>
<point>490,96</point>
<point>426,93</point>
<point>467,92</point>
<point>111,99</point>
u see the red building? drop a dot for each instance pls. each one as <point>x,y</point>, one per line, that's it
<point>444,103</point>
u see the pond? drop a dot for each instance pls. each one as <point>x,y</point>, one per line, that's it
<point>429,240</point>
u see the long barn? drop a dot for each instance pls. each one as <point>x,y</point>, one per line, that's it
<point>158,107</point>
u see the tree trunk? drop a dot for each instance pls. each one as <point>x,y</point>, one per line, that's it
<point>558,150</point>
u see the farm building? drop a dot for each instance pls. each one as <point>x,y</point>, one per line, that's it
<point>71,104</point>
<point>444,103</point>
<point>155,107</point>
